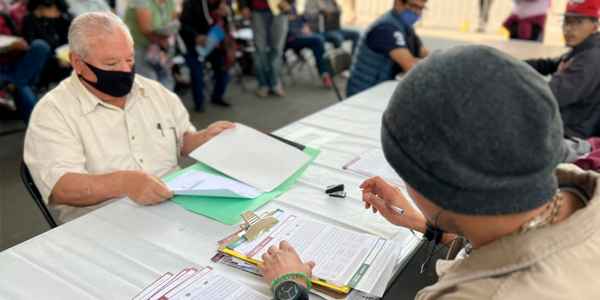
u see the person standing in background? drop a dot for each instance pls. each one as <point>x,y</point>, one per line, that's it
<point>270,26</point>
<point>484,14</point>
<point>153,24</point>
<point>528,19</point>
<point>206,36</point>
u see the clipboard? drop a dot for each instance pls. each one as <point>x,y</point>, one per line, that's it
<point>321,284</point>
<point>257,225</point>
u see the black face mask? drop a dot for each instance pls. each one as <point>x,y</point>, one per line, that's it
<point>113,83</point>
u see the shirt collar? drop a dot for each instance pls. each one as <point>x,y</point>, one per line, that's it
<point>89,101</point>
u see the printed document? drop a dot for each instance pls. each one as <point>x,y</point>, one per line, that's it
<point>343,257</point>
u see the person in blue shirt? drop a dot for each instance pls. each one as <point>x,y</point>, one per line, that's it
<point>390,46</point>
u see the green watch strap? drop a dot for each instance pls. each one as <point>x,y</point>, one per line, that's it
<point>291,276</point>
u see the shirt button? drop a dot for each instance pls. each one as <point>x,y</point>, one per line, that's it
<point>133,137</point>
<point>141,160</point>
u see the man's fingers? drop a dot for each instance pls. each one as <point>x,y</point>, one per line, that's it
<point>267,258</point>
<point>273,250</point>
<point>284,245</point>
<point>163,192</point>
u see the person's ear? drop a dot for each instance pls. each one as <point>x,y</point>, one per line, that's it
<point>76,63</point>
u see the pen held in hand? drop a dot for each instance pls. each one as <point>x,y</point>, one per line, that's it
<point>398,210</point>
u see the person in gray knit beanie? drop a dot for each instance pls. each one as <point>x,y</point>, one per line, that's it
<point>476,132</point>
<point>477,137</point>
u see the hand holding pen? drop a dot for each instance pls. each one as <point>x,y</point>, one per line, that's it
<point>384,198</point>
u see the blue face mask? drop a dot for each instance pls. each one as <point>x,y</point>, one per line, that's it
<point>409,17</point>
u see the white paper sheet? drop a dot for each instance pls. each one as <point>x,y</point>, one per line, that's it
<point>251,157</point>
<point>175,281</point>
<point>373,163</point>
<point>213,286</point>
<point>198,183</point>
<point>202,284</point>
<point>154,287</point>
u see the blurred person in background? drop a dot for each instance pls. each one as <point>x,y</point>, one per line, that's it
<point>270,27</point>
<point>527,19</point>
<point>325,17</point>
<point>300,36</point>
<point>205,32</point>
<point>575,76</point>
<point>49,20</point>
<point>21,64</point>
<point>153,25</point>
<point>484,14</point>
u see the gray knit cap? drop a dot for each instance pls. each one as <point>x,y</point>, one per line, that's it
<point>475,131</point>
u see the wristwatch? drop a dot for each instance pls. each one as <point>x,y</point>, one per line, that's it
<point>290,290</point>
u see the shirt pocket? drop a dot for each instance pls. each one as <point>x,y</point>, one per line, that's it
<point>167,142</point>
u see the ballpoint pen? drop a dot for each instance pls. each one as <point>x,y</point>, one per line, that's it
<point>397,209</point>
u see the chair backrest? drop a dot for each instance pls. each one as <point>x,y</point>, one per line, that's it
<point>340,60</point>
<point>35,194</point>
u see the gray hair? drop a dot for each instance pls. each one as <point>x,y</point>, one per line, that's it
<point>93,25</point>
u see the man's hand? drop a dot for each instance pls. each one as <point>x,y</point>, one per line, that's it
<point>216,128</point>
<point>382,197</point>
<point>194,140</point>
<point>143,188</point>
<point>19,45</point>
<point>282,260</point>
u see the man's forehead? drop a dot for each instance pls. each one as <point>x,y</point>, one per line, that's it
<point>109,42</point>
<point>577,18</point>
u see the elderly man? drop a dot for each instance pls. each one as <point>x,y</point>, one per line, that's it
<point>389,47</point>
<point>104,132</point>
<point>456,137</point>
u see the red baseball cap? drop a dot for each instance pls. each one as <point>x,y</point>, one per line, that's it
<point>583,8</point>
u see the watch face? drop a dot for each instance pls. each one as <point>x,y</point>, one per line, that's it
<point>287,290</point>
